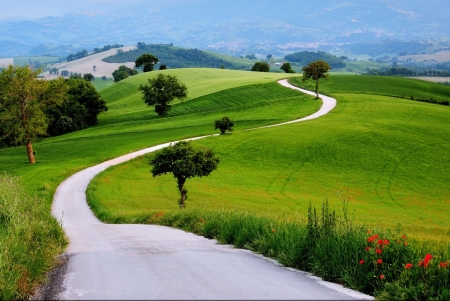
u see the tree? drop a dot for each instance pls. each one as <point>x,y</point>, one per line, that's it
<point>184,162</point>
<point>79,109</point>
<point>163,67</point>
<point>316,70</point>
<point>122,73</point>
<point>261,67</point>
<point>23,99</point>
<point>95,67</point>
<point>161,90</point>
<point>147,60</point>
<point>89,77</point>
<point>224,124</point>
<point>287,68</point>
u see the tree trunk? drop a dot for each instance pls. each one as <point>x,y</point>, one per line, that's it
<point>182,192</point>
<point>30,152</point>
<point>317,89</point>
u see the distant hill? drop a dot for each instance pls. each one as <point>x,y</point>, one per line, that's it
<point>303,58</point>
<point>176,57</point>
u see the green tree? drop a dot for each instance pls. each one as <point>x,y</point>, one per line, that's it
<point>184,162</point>
<point>147,61</point>
<point>316,70</point>
<point>89,77</point>
<point>163,67</point>
<point>122,73</point>
<point>287,68</point>
<point>161,90</point>
<point>23,99</point>
<point>261,67</point>
<point>224,124</point>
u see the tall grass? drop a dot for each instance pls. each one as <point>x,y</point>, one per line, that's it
<point>29,240</point>
<point>329,245</point>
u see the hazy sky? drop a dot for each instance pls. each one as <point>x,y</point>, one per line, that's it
<point>43,8</point>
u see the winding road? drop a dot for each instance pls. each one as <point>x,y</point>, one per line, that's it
<point>106,261</point>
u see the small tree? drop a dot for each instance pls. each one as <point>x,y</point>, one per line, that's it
<point>316,70</point>
<point>224,124</point>
<point>89,77</point>
<point>261,67</point>
<point>147,60</point>
<point>163,67</point>
<point>287,68</point>
<point>184,162</point>
<point>161,90</point>
<point>122,73</point>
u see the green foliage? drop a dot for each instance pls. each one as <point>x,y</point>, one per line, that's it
<point>23,100</point>
<point>304,58</point>
<point>184,162</point>
<point>163,67</point>
<point>316,70</point>
<point>78,111</point>
<point>107,47</point>
<point>30,238</point>
<point>287,68</point>
<point>122,73</point>
<point>174,57</point>
<point>162,90</point>
<point>76,56</point>
<point>89,77</point>
<point>224,124</point>
<point>261,67</point>
<point>147,61</point>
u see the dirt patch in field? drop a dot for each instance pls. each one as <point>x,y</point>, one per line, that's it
<point>442,56</point>
<point>86,64</point>
<point>433,79</point>
<point>5,62</point>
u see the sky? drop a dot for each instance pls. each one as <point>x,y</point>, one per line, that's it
<point>44,8</point>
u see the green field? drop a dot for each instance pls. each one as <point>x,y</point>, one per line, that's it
<point>25,60</point>
<point>386,153</point>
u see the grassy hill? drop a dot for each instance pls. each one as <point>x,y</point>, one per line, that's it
<point>384,151</point>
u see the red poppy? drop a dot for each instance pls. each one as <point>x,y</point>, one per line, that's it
<point>361,261</point>
<point>273,230</point>
<point>380,261</point>
<point>408,265</point>
<point>378,251</point>
<point>443,264</point>
<point>382,277</point>
<point>405,244</point>
<point>404,236</point>
<point>427,259</point>
<point>380,242</point>
<point>421,263</point>
<point>367,248</point>
<point>386,242</point>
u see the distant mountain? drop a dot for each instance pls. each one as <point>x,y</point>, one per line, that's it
<point>236,27</point>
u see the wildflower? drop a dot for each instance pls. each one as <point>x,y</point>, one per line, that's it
<point>380,261</point>
<point>368,231</point>
<point>421,263</point>
<point>367,248</point>
<point>408,265</point>
<point>443,264</point>
<point>404,236</point>
<point>273,230</point>
<point>405,244</point>
<point>380,242</point>
<point>378,251</point>
<point>427,259</point>
<point>382,277</point>
<point>386,242</point>
<point>361,261</point>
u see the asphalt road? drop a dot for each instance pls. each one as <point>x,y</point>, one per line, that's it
<point>105,261</point>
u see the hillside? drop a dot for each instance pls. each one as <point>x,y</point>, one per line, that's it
<point>85,64</point>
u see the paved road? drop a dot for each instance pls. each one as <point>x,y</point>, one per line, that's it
<point>154,262</point>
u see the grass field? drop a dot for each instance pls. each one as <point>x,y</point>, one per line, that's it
<point>387,153</point>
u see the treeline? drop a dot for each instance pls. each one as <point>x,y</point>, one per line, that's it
<point>79,110</point>
<point>173,57</point>
<point>407,71</point>
<point>106,48</point>
<point>303,58</point>
<point>389,46</point>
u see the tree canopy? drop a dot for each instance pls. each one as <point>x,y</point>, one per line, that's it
<point>224,124</point>
<point>316,70</point>
<point>287,68</point>
<point>184,162</point>
<point>261,67</point>
<point>122,73</point>
<point>148,61</point>
<point>162,90</point>
<point>23,100</point>
<point>303,58</point>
